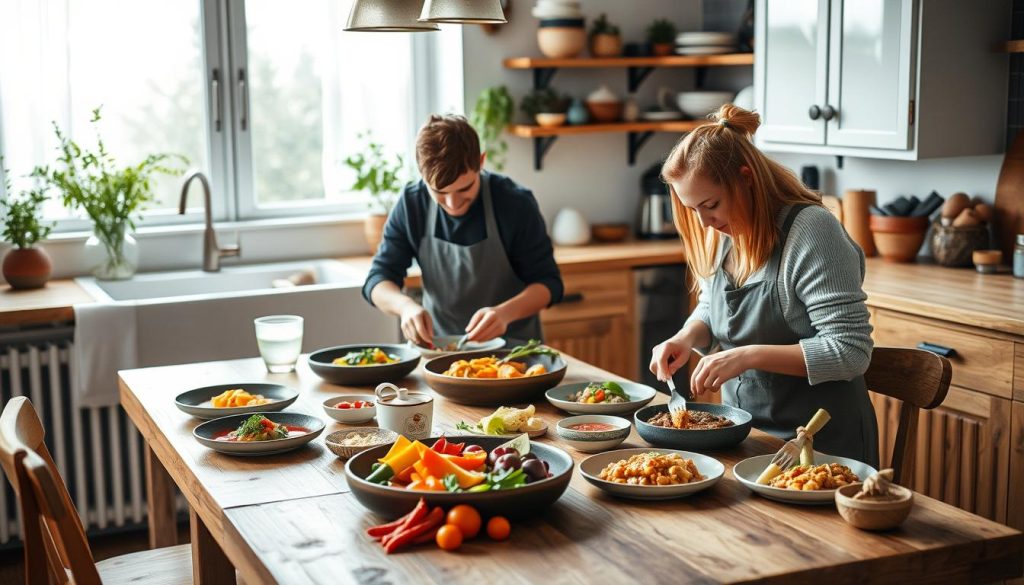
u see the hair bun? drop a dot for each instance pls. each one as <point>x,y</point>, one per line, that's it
<point>738,119</point>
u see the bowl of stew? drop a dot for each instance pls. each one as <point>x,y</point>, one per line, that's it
<point>592,433</point>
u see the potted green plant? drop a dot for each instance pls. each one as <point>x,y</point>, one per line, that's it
<point>605,40</point>
<point>662,35</point>
<point>26,265</point>
<point>491,113</point>
<point>546,106</point>
<point>378,175</point>
<point>110,195</point>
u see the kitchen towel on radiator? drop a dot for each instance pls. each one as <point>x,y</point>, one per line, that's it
<point>105,342</point>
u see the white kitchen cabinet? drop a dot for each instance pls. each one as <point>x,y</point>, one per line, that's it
<point>899,79</point>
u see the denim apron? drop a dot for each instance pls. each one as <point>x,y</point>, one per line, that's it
<point>459,280</point>
<point>752,315</point>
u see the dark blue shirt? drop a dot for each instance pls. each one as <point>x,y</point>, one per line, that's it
<point>520,227</point>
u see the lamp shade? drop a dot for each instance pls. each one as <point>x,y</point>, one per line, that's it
<point>463,11</point>
<point>387,16</point>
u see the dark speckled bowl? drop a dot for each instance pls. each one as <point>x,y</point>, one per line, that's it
<point>531,499</point>
<point>321,362</point>
<point>710,439</point>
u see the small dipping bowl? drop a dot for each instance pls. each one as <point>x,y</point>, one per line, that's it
<point>351,415</point>
<point>874,515</point>
<point>593,441</point>
<point>377,437</point>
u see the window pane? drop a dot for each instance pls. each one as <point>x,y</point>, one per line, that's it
<point>313,90</point>
<point>141,60</point>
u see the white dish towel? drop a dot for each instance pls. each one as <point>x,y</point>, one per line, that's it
<point>105,341</point>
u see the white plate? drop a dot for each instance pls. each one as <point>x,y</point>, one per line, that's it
<point>705,38</point>
<point>748,470</point>
<point>443,340</point>
<point>711,468</point>
<point>704,50</point>
<point>639,396</point>
<point>661,116</point>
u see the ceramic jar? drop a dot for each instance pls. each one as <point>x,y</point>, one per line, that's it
<point>570,228</point>
<point>27,268</point>
<point>604,105</point>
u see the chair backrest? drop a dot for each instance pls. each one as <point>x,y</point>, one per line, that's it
<point>919,379</point>
<point>53,533</point>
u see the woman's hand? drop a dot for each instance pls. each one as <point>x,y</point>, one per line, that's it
<point>486,324</point>
<point>417,326</point>
<point>718,368</point>
<point>668,356</point>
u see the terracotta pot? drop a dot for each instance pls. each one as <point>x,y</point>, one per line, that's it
<point>373,230</point>
<point>27,268</point>
<point>605,111</point>
<point>898,239</point>
<point>953,246</point>
<point>561,42</point>
<point>663,49</point>
<point>604,45</point>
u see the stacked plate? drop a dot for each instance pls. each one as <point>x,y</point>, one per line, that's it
<point>557,9</point>
<point>705,43</point>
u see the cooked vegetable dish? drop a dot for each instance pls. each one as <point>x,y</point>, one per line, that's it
<point>260,428</point>
<point>370,356</point>
<point>690,420</point>
<point>492,367</point>
<point>827,476</point>
<point>600,393</point>
<point>652,469</point>
<point>238,397</point>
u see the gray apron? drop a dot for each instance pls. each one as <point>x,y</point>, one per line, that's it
<point>459,280</point>
<point>752,315</point>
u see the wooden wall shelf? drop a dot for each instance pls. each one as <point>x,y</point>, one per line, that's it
<point>1013,46</point>
<point>638,68</point>
<point>637,134</point>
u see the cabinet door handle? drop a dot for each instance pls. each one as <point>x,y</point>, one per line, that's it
<point>572,298</point>
<point>243,98</point>
<point>942,350</point>
<point>828,112</point>
<point>814,112</point>
<point>215,90</point>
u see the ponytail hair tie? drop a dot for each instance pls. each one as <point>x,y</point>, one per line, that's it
<point>724,122</point>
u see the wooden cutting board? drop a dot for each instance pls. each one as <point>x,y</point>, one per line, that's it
<point>1009,203</point>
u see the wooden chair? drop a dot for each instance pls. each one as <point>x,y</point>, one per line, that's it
<point>56,549</point>
<point>919,379</point>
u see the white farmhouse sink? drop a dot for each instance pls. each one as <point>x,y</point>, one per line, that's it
<point>194,316</point>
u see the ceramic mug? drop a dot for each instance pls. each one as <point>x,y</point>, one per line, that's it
<point>406,413</point>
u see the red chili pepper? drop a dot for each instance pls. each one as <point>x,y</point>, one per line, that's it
<point>405,536</point>
<point>414,517</point>
<point>428,536</point>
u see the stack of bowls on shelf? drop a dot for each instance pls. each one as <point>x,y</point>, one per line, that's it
<point>562,33</point>
<point>705,43</point>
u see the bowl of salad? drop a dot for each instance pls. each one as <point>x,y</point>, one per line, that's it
<point>258,434</point>
<point>601,397</point>
<point>362,364</point>
<point>510,478</point>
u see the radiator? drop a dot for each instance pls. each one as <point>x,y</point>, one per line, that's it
<point>98,451</point>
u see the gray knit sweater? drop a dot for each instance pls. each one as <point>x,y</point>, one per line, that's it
<point>820,291</point>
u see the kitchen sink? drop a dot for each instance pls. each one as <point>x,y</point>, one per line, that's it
<point>230,281</point>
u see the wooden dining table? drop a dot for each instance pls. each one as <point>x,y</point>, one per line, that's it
<point>291,518</point>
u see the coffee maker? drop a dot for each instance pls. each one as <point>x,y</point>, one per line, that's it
<point>654,220</point>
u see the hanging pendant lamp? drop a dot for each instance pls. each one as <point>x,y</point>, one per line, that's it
<point>463,11</point>
<point>387,16</point>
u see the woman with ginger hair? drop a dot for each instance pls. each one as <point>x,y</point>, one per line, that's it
<point>780,291</point>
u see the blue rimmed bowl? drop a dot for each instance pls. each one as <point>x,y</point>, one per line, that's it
<point>593,441</point>
<point>695,440</point>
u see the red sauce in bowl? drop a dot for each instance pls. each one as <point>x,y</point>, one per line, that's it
<point>592,427</point>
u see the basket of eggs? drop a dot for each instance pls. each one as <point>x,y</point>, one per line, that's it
<point>962,229</point>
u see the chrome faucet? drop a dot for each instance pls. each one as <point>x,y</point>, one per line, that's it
<point>212,253</point>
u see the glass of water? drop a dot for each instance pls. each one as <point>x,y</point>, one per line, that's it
<point>279,338</point>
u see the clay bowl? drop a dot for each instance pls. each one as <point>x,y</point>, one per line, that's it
<point>489,391</point>
<point>605,111</point>
<point>868,515</point>
<point>561,38</point>
<point>610,232</point>
<point>898,239</point>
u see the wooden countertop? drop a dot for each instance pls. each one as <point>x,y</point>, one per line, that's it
<point>960,295</point>
<point>725,534</point>
<point>54,302</point>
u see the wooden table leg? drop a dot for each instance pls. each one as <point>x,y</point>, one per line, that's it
<point>163,525</point>
<point>209,564</point>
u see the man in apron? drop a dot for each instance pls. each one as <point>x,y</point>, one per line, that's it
<point>486,260</point>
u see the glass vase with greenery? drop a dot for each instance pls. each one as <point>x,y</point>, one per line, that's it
<point>378,174</point>
<point>491,113</point>
<point>111,196</point>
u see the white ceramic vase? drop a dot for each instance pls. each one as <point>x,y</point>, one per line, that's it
<point>570,228</point>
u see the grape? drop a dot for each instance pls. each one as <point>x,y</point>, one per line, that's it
<point>472,449</point>
<point>534,468</point>
<point>495,454</point>
<point>508,462</point>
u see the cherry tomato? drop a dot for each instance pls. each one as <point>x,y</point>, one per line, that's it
<point>498,528</point>
<point>449,537</point>
<point>467,519</point>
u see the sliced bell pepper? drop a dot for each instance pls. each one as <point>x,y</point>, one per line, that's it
<point>440,445</point>
<point>398,445</point>
<point>397,462</point>
<point>453,448</point>
<point>469,461</point>
<point>438,466</point>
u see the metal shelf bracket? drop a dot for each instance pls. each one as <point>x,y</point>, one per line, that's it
<point>636,140</point>
<point>541,144</point>
<point>636,76</point>
<point>542,77</point>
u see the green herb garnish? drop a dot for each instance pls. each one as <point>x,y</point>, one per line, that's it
<point>252,425</point>
<point>533,347</point>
